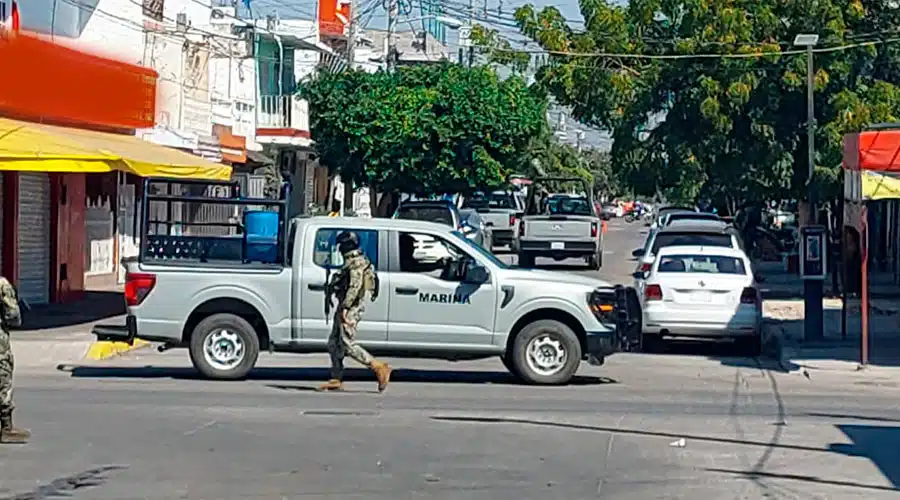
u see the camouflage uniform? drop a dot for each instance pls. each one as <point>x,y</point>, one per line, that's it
<point>342,340</point>
<point>11,316</point>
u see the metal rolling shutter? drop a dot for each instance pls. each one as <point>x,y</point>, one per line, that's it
<point>34,237</point>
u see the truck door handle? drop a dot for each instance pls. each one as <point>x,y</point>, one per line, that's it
<point>318,287</point>
<point>406,290</point>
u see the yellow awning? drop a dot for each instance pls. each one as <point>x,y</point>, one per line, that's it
<point>34,147</point>
<point>877,186</point>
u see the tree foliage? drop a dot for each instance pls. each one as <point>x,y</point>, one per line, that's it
<point>422,129</point>
<point>730,127</point>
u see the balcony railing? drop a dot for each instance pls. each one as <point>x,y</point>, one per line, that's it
<point>283,111</point>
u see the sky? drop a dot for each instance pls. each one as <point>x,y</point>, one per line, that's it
<point>499,16</point>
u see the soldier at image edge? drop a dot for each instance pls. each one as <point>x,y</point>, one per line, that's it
<point>11,316</point>
<point>355,279</point>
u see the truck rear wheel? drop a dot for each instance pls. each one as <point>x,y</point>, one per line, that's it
<point>546,352</point>
<point>224,347</point>
<point>526,260</point>
<point>595,261</point>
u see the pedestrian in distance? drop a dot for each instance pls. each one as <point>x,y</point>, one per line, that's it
<point>354,281</point>
<point>11,316</point>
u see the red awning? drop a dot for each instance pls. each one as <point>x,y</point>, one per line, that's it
<point>875,150</point>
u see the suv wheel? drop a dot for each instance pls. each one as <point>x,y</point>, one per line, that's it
<point>546,352</point>
<point>224,347</point>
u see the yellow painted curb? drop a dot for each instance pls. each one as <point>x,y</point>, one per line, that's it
<point>107,349</point>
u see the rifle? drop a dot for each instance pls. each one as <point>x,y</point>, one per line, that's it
<point>334,285</point>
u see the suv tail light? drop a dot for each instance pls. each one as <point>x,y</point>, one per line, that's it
<point>593,229</point>
<point>512,220</point>
<point>653,292</point>
<point>137,287</point>
<point>522,228</point>
<point>750,296</point>
<point>645,267</point>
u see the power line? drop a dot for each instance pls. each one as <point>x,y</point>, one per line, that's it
<point>748,55</point>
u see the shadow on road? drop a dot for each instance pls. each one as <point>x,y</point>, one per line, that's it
<point>95,306</point>
<point>724,352</point>
<point>318,375</point>
<point>890,471</point>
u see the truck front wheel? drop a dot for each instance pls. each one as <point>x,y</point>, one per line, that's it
<point>224,347</point>
<point>546,352</point>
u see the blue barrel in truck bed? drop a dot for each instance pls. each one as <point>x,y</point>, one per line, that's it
<point>261,236</point>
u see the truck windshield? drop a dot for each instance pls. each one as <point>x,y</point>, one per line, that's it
<point>478,248</point>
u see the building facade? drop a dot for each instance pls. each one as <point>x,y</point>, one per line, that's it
<point>75,145</point>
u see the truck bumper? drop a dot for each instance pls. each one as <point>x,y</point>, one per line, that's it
<point>117,333</point>
<point>602,344</point>
<point>559,249</point>
<point>502,236</point>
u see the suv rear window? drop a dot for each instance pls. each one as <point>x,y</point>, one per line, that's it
<point>666,239</point>
<point>441,215</point>
<point>692,216</point>
<point>711,264</point>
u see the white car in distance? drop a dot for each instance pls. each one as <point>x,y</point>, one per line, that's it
<point>705,292</point>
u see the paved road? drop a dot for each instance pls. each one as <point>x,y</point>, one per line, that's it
<point>143,427</point>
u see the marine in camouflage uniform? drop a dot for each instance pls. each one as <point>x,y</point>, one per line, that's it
<point>360,277</point>
<point>10,316</point>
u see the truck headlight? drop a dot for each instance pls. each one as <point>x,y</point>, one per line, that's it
<point>602,303</point>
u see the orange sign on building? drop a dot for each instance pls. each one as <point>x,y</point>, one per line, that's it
<point>334,17</point>
<point>47,82</point>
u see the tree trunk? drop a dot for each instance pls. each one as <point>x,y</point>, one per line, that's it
<point>387,204</point>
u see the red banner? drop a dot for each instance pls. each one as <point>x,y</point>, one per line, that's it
<point>334,17</point>
<point>44,81</point>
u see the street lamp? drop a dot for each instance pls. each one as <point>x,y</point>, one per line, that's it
<point>809,41</point>
<point>813,321</point>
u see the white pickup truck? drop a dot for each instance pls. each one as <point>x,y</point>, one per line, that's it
<point>541,324</point>
<point>561,226</point>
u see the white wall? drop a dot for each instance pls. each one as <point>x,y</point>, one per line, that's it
<point>111,28</point>
<point>164,54</point>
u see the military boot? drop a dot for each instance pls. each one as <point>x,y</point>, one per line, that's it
<point>332,385</point>
<point>9,434</point>
<point>382,373</point>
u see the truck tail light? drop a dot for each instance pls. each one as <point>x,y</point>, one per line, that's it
<point>653,292</point>
<point>645,267</point>
<point>593,229</point>
<point>137,287</point>
<point>750,296</point>
<point>512,220</point>
<point>522,228</point>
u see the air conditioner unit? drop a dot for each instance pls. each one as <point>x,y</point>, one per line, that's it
<point>182,23</point>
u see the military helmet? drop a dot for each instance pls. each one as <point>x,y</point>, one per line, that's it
<point>347,242</point>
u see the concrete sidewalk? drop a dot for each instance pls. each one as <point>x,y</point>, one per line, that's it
<point>61,333</point>
<point>835,352</point>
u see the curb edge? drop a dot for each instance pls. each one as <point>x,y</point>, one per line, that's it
<point>105,349</point>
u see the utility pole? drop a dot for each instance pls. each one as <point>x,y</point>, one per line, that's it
<point>471,22</point>
<point>347,206</point>
<point>393,14</point>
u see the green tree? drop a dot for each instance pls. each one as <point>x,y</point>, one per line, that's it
<point>732,127</point>
<point>423,129</point>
